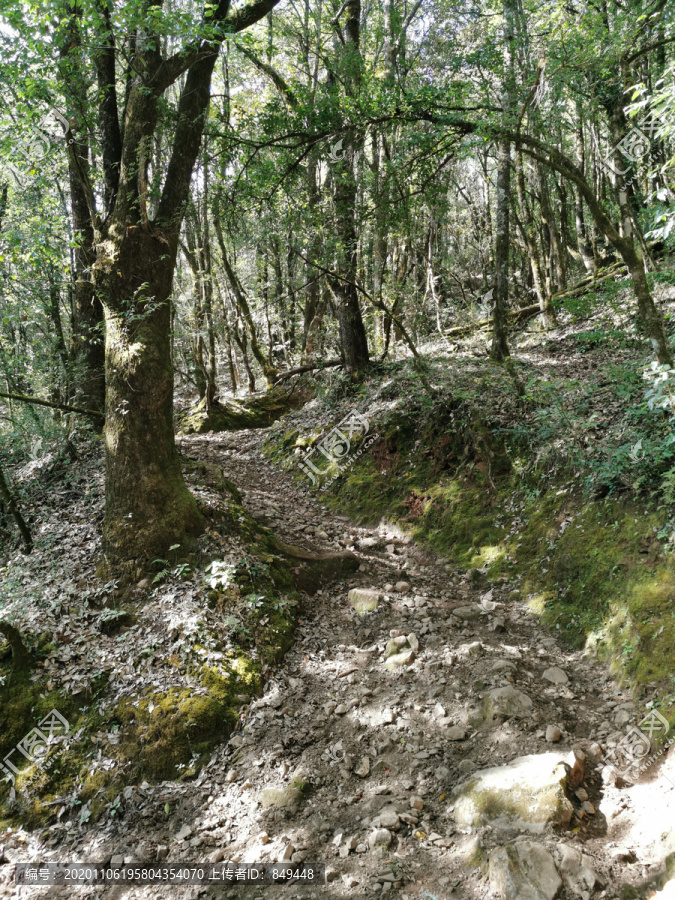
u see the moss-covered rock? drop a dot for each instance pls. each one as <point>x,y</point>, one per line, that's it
<point>528,794</point>
<point>285,796</point>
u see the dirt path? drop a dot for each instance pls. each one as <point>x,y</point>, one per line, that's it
<point>380,749</point>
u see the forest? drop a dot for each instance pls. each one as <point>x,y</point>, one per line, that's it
<point>337,461</point>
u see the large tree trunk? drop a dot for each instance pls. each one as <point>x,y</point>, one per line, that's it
<point>148,505</point>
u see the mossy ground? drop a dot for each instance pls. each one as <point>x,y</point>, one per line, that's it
<point>156,735</point>
<point>597,570</point>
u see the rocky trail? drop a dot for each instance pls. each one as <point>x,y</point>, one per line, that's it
<point>424,738</point>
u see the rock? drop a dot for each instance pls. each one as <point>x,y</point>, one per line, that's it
<point>553,734</point>
<point>466,766</point>
<point>340,710</point>
<point>527,795</point>
<point>455,733</point>
<point>577,763</point>
<point>379,838</point>
<point>501,665</point>
<point>577,871</point>
<point>162,852</point>
<point>364,601</point>
<point>395,645</point>
<point>286,854</point>
<point>388,716</point>
<point>595,753</point>
<point>556,676</point>
<point>183,833</point>
<point>364,767</point>
<point>498,624</point>
<point>349,845</point>
<point>349,881</point>
<point>439,712</point>
<point>442,773</point>
<point>416,803</point>
<point>388,818</point>
<point>283,797</point>
<point>475,648</point>
<point>523,870</point>
<point>507,701</point>
<point>413,641</point>
<point>264,837</point>
<point>402,587</point>
<point>331,875</point>
<point>623,717</point>
<point>367,543</point>
<point>467,613</point>
<point>401,659</point>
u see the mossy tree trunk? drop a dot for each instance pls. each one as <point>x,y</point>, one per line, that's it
<point>87,314</point>
<point>12,506</point>
<point>148,505</point>
<point>21,656</point>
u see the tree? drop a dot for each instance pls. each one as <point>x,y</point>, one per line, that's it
<point>148,505</point>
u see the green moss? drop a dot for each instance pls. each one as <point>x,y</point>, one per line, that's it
<point>628,892</point>
<point>159,735</point>
<point>231,415</point>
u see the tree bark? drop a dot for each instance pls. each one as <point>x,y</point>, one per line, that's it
<point>13,507</point>
<point>87,350</point>
<point>148,505</point>
<point>499,350</point>
<point>345,293</point>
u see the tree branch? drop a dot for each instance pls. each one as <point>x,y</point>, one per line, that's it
<point>63,406</point>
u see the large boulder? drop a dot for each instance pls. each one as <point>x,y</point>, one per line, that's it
<point>523,870</point>
<point>528,794</point>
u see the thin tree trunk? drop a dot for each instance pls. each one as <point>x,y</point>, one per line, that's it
<point>13,507</point>
<point>87,323</point>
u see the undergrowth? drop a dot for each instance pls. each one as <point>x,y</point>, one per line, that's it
<point>561,486</point>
